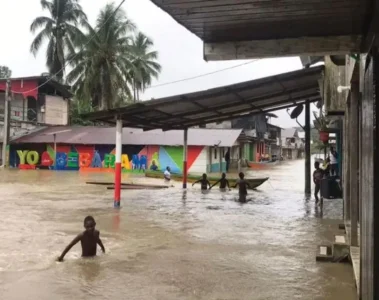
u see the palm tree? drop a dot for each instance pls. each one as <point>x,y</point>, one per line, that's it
<point>144,62</point>
<point>60,29</point>
<point>101,72</point>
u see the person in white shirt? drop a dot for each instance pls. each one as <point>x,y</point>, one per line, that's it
<point>333,157</point>
<point>167,174</point>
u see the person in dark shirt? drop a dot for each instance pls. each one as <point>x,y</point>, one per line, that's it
<point>153,166</point>
<point>318,174</point>
<point>89,239</point>
<point>204,182</point>
<point>243,186</point>
<point>227,159</point>
<point>223,182</point>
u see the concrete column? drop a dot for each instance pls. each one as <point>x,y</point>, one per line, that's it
<point>308,149</point>
<point>117,176</point>
<point>185,155</point>
<point>346,164</point>
<point>354,152</point>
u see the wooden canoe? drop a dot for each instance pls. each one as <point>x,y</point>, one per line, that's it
<point>253,182</point>
<point>261,165</point>
<point>128,186</point>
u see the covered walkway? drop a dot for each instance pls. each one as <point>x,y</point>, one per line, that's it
<point>215,105</point>
<point>219,104</point>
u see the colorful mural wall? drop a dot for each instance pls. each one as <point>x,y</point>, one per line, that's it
<point>102,157</point>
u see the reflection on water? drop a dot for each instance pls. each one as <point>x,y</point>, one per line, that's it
<point>167,244</point>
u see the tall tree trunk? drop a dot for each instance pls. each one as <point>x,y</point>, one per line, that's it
<point>134,90</point>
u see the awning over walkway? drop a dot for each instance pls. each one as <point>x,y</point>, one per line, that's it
<point>219,104</point>
<point>234,29</point>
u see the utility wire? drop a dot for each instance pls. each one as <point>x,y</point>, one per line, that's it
<point>69,61</point>
<point>202,75</point>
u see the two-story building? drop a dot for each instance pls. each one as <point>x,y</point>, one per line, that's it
<point>292,144</point>
<point>34,102</point>
<point>259,139</point>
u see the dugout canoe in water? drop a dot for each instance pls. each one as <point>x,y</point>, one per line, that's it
<point>253,182</point>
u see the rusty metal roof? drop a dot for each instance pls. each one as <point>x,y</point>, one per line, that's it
<point>89,135</point>
<point>219,104</point>
<point>217,21</point>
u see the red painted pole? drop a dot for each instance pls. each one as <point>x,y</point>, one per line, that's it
<point>117,176</point>
<point>185,155</point>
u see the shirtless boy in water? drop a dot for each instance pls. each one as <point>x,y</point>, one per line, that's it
<point>89,239</point>
<point>243,185</point>
<point>204,182</point>
<point>223,182</point>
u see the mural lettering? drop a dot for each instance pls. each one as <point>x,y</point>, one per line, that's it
<point>109,160</point>
<point>102,157</point>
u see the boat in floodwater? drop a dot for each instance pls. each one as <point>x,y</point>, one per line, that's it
<point>262,165</point>
<point>253,182</point>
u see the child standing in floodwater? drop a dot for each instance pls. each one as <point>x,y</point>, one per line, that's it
<point>204,182</point>
<point>243,185</point>
<point>89,239</point>
<point>223,182</point>
<point>317,177</point>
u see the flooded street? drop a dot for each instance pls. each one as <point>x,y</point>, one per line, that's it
<point>167,244</point>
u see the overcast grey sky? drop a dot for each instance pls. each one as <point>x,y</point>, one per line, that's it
<point>180,52</point>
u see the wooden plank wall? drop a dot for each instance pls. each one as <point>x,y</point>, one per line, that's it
<point>369,176</point>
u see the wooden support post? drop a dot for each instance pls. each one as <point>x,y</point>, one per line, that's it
<point>308,148</point>
<point>354,149</point>
<point>346,164</point>
<point>6,124</point>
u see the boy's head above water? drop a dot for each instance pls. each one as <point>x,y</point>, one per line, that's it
<point>223,175</point>
<point>241,175</point>
<point>89,223</point>
<point>204,176</point>
<point>317,165</point>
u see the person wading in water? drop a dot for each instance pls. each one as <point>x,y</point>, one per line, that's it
<point>89,239</point>
<point>204,182</point>
<point>223,182</point>
<point>243,186</point>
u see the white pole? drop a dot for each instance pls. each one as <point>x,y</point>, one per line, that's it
<point>117,184</point>
<point>55,151</point>
<point>185,158</point>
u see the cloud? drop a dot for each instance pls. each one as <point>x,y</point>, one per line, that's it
<point>180,52</point>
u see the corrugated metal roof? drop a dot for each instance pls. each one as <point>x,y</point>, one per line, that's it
<point>132,136</point>
<point>220,104</point>
<point>230,20</point>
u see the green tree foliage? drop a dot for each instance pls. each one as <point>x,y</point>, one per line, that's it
<point>60,30</point>
<point>101,71</point>
<point>5,72</point>
<point>145,65</point>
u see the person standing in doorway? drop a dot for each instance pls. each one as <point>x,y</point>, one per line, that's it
<point>227,159</point>
<point>333,156</point>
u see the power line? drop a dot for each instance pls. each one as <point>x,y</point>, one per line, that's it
<point>82,48</point>
<point>202,75</point>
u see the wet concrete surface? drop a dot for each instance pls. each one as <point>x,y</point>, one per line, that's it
<point>167,244</point>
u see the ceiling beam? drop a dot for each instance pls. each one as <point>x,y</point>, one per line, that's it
<point>243,112</point>
<point>231,117</point>
<point>306,90</point>
<point>310,46</point>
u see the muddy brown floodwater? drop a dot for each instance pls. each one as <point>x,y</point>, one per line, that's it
<point>167,244</point>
